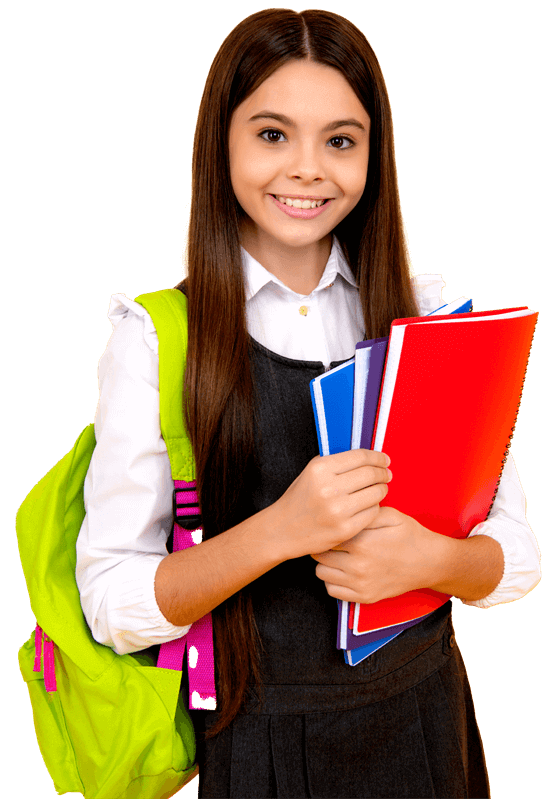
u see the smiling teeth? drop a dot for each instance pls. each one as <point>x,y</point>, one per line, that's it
<point>301,203</point>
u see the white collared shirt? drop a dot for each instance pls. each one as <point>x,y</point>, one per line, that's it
<point>128,488</point>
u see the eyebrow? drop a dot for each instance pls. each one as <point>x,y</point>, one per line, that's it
<point>339,123</point>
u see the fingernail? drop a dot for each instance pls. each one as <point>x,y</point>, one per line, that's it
<point>388,459</point>
<point>390,475</point>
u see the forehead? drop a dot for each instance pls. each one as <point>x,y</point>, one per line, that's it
<point>305,91</point>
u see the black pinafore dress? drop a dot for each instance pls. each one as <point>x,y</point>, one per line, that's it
<point>399,724</point>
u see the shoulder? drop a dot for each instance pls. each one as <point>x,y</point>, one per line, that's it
<point>428,292</point>
<point>132,323</point>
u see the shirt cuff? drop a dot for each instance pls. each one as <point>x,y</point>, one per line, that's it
<point>508,525</point>
<point>136,621</point>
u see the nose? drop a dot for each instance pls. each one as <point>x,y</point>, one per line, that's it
<point>306,164</point>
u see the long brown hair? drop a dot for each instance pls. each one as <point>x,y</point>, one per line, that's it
<point>218,384</point>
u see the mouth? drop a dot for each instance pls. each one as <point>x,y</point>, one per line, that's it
<point>301,201</point>
<point>301,207</point>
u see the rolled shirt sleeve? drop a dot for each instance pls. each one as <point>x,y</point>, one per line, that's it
<point>507,524</point>
<point>127,492</point>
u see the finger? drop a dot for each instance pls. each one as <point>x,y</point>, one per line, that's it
<point>343,547</point>
<point>355,458</point>
<point>330,575</point>
<point>342,592</point>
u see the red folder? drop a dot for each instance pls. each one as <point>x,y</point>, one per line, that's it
<point>449,400</point>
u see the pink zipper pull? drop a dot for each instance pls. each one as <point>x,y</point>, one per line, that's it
<point>38,648</point>
<point>49,674</point>
<point>47,656</point>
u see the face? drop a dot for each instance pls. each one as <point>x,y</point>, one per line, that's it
<point>300,138</point>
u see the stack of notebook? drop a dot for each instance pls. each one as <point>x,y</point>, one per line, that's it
<point>440,396</point>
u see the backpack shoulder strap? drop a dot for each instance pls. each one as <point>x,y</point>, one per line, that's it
<point>168,310</point>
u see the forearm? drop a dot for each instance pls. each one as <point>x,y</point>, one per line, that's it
<point>468,568</point>
<point>190,583</point>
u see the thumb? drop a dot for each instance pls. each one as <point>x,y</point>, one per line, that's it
<point>386,517</point>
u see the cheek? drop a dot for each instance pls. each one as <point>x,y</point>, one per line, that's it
<point>258,170</point>
<point>360,172</point>
<point>250,171</point>
<point>354,180</point>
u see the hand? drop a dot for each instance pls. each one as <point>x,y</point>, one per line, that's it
<point>394,554</point>
<point>332,499</point>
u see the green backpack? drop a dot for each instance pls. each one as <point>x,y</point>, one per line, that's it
<point>109,726</point>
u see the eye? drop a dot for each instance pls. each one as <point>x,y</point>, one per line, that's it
<point>275,141</point>
<point>270,130</point>
<point>347,138</point>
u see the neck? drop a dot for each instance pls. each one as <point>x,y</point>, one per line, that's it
<point>299,268</point>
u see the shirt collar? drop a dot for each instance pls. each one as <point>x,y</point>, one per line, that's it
<point>257,276</point>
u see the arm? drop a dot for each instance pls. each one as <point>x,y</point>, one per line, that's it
<point>190,583</point>
<point>468,568</point>
<point>507,524</point>
<point>133,593</point>
<point>397,554</point>
<point>498,562</point>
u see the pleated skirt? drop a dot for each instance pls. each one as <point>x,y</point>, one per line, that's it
<point>409,733</point>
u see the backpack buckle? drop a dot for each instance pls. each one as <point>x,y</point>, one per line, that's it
<point>189,521</point>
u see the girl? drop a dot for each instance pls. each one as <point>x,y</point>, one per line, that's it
<point>296,252</point>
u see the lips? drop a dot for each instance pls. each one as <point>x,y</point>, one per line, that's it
<point>301,213</point>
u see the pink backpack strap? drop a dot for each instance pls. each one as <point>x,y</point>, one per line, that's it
<point>198,641</point>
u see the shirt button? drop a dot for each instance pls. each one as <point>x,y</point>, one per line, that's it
<point>303,310</point>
